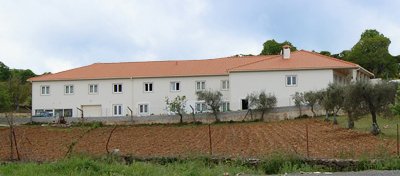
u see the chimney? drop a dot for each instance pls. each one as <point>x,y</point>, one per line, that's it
<point>286,52</point>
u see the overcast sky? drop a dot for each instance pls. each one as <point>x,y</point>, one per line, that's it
<point>45,35</point>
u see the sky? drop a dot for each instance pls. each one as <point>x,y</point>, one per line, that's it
<point>54,35</point>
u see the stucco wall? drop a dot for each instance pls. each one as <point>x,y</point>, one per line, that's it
<point>243,83</point>
<point>132,95</point>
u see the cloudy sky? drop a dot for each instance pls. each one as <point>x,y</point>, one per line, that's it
<point>45,35</point>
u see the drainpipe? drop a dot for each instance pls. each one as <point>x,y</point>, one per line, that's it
<point>81,113</point>
<point>131,113</point>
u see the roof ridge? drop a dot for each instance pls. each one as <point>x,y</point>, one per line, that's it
<point>273,56</point>
<point>329,57</point>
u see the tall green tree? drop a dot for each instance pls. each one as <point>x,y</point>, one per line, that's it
<point>4,72</point>
<point>272,47</point>
<point>5,99</point>
<point>372,53</point>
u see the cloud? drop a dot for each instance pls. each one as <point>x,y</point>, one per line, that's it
<point>47,35</point>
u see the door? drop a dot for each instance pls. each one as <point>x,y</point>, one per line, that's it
<point>245,104</point>
<point>91,110</point>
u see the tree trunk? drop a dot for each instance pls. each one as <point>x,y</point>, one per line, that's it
<point>300,111</point>
<point>375,128</point>
<point>326,116</point>
<point>215,112</point>
<point>335,122</point>
<point>312,110</point>
<point>262,115</point>
<point>350,121</point>
<point>181,116</point>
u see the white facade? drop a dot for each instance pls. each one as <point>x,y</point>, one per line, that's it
<point>133,96</point>
<point>97,97</point>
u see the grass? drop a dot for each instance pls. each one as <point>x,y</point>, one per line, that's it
<point>111,165</point>
<point>387,125</point>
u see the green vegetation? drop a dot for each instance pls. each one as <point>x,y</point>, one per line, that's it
<point>271,47</point>
<point>114,165</point>
<point>388,125</point>
<point>262,102</point>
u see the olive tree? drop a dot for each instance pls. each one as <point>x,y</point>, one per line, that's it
<point>311,99</point>
<point>213,99</point>
<point>335,94</point>
<point>177,105</point>
<point>262,102</point>
<point>298,99</point>
<point>378,98</point>
<point>353,103</point>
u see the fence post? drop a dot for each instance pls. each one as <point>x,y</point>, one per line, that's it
<point>209,137</point>
<point>308,152</point>
<point>397,140</point>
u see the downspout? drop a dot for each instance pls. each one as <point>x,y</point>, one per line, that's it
<point>132,91</point>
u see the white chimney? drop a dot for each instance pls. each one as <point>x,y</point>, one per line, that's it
<point>286,52</point>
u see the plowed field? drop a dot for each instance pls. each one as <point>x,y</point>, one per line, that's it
<point>228,140</point>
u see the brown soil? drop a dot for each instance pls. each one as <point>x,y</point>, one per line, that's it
<point>228,140</point>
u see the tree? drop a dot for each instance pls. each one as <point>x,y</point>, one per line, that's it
<point>5,99</point>
<point>213,99</point>
<point>271,47</point>
<point>326,53</point>
<point>262,102</point>
<point>378,98</point>
<point>335,94</point>
<point>311,99</point>
<point>354,104</point>
<point>372,53</point>
<point>298,99</point>
<point>4,72</point>
<point>396,105</point>
<point>177,105</point>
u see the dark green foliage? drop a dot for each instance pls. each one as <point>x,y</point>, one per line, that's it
<point>372,53</point>
<point>213,99</point>
<point>378,98</point>
<point>396,106</point>
<point>5,99</point>
<point>354,104</point>
<point>326,53</point>
<point>4,72</point>
<point>271,47</point>
<point>262,102</point>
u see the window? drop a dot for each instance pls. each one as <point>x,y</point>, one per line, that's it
<point>291,80</point>
<point>148,87</point>
<point>143,109</point>
<point>117,88</point>
<point>117,110</point>
<point>67,112</point>
<point>225,106</point>
<point>200,85</point>
<point>175,86</point>
<point>45,90</point>
<point>225,84</point>
<point>93,88</point>
<point>68,89</point>
<point>201,107</point>
<point>245,104</point>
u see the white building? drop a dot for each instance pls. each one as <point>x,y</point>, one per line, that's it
<point>140,88</point>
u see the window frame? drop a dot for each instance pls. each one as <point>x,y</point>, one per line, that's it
<point>291,80</point>
<point>97,89</point>
<point>147,108</point>
<point>202,105</point>
<point>68,87</point>
<point>119,88</point>
<point>119,110</point>
<point>202,84</point>
<point>226,83</point>
<point>148,83</point>
<point>175,83</point>
<point>46,91</point>
<point>227,106</point>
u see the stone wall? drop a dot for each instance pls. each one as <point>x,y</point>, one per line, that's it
<point>281,113</point>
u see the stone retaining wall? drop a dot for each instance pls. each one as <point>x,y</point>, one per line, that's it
<point>281,113</point>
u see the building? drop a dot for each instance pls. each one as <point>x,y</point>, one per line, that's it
<point>140,88</point>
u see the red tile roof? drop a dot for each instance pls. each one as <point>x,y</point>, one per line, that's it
<point>220,66</point>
